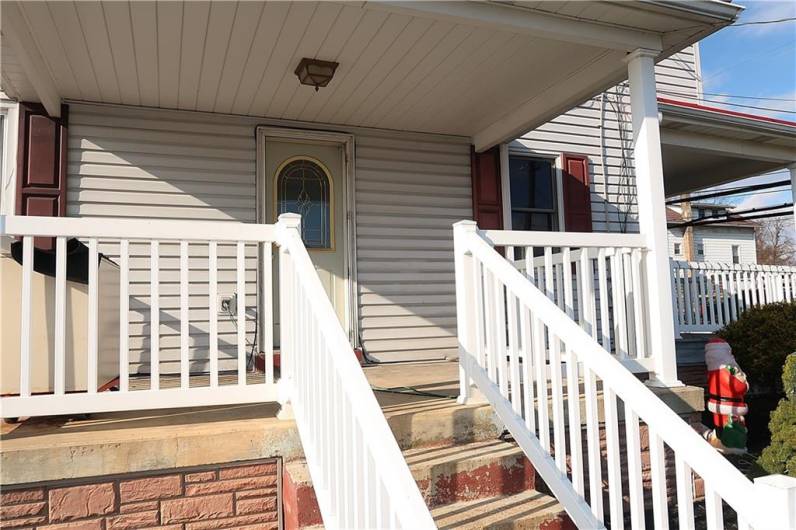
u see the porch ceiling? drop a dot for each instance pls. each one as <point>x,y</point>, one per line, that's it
<point>704,147</point>
<point>490,71</point>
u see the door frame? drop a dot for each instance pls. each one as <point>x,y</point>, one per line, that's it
<point>345,140</point>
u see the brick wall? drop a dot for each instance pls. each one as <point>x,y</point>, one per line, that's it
<point>226,496</point>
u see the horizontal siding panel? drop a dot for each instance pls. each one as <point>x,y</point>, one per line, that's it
<point>409,190</point>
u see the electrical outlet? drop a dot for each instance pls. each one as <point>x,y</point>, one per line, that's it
<point>228,304</point>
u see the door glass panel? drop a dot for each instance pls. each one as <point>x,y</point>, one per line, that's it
<point>304,187</point>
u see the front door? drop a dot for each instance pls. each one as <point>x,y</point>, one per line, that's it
<point>308,178</point>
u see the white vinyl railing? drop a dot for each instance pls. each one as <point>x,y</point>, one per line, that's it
<point>596,279</point>
<point>708,296</point>
<point>168,257</point>
<point>359,475</point>
<point>537,366</point>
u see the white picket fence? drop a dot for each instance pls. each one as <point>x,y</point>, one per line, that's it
<point>529,358</point>
<point>707,296</point>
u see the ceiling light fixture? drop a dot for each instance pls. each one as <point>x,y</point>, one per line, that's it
<point>314,72</point>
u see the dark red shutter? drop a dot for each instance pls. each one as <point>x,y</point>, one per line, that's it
<point>577,197</point>
<point>41,164</point>
<point>487,195</point>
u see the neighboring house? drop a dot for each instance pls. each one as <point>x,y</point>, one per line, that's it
<point>730,242</point>
<point>180,140</point>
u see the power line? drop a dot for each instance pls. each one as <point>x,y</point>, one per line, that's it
<point>758,22</point>
<point>729,217</point>
<point>734,191</point>
<point>741,105</point>
<point>689,96</point>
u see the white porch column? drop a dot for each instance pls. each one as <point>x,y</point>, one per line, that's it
<point>792,169</point>
<point>652,213</point>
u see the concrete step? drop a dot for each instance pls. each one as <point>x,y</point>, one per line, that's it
<point>527,510</point>
<point>444,475</point>
<point>469,471</point>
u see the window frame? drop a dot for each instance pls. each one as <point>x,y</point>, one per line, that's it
<point>735,254</point>
<point>8,186</point>
<point>678,249</point>
<point>555,160</point>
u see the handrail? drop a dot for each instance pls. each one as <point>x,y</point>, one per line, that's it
<point>359,474</point>
<point>541,321</point>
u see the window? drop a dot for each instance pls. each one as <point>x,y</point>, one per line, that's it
<point>700,249</point>
<point>736,254</point>
<point>533,196</point>
<point>303,186</point>
<point>677,249</point>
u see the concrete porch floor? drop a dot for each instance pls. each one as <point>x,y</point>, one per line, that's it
<point>106,443</point>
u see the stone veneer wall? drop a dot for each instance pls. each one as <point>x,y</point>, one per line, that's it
<point>241,495</point>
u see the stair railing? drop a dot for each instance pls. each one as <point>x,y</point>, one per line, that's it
<point>564,398</point>
<point>359,474</point>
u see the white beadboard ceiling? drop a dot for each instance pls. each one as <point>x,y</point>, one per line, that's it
<point>402,66</point>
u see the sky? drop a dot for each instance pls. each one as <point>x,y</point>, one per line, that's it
<point>757,61</point>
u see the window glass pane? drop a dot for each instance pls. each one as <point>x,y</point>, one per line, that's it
<point>531,221</point>
<point>531,183</point>
<point>303,187</point>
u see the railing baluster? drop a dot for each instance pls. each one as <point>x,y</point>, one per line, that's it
<point>587,279</point>
<point>559,440</point>
<point>569,302</point>
<point>59,356</point>
<point>685,493</point>
<point>630,302</point>
<point>213,315</point>
<point>713,510</point>
<point>154,317</point>
<point>267,332</point>
<point>124,315</point>
<point>660,508</point>
<point>620,311</point>
<point>184,318</point>
<point>593,443</point>
<point>540,365</point>
<point>500,338</point>
<point>25,317</point>
<point>612,449</point>
<point>639,307</point>
<point>635,485</point>
<point>575,431</point>
<point>527,368</point>
<point>93,315</point>
<point>605,322</point>
<point>241,310</point>
<point>689,315</point>
<point>514,360</point>
<point>480,337</point>
<point>491,322</point>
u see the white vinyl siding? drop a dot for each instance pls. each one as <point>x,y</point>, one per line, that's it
<point>717,242</point>
<point>610,155</point>
<point>409,190</point>
<point>408,194</point>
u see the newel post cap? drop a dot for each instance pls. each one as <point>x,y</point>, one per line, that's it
<point>465,226</point>
<point>290,220</point>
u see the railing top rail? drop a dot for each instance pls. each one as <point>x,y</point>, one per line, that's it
<point>725,266</point>
<point>563,239</point>
<point>725,479</point>
<point>113,228</point>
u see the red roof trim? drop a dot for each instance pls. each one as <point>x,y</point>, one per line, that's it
<point>726,112</point>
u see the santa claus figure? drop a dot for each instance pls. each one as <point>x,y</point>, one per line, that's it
<point>727,387</point>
